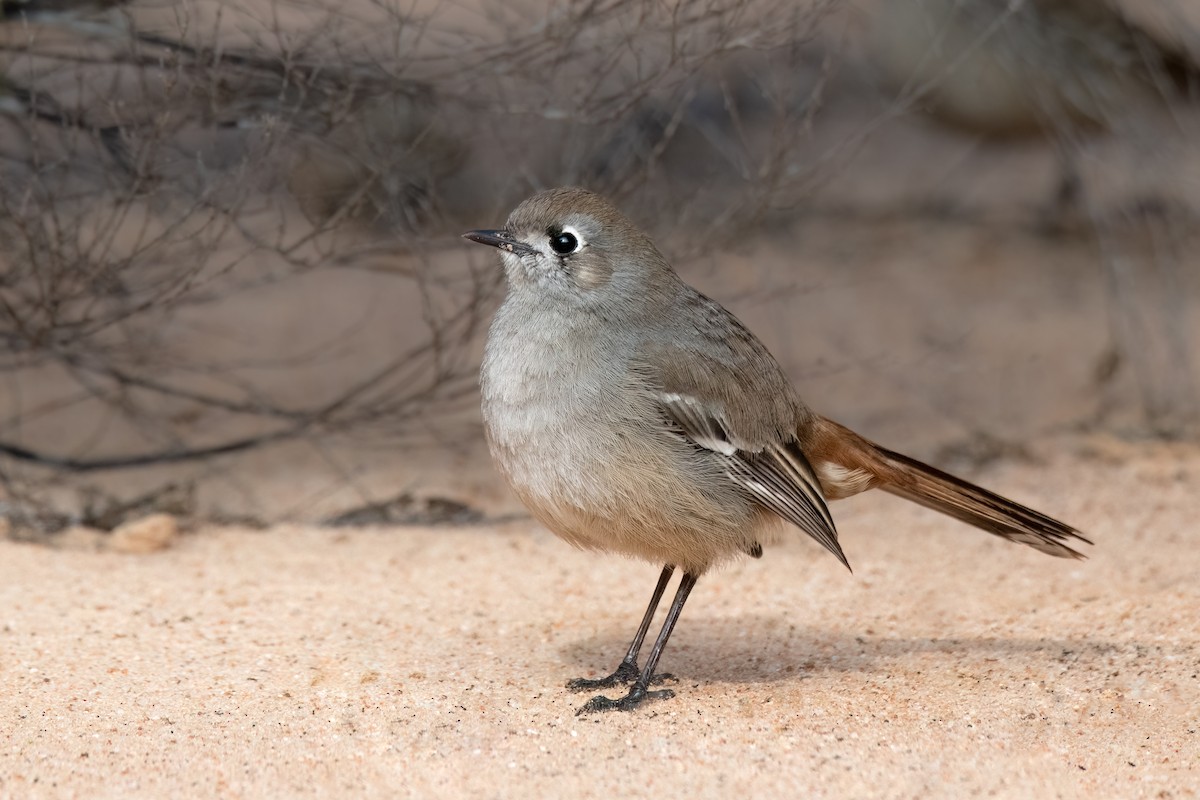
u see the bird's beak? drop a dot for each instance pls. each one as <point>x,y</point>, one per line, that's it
<point>502,239</point>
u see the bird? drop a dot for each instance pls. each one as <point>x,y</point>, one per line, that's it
<point>632,414</point>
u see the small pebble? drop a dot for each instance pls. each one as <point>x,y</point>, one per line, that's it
<point>146,535</point>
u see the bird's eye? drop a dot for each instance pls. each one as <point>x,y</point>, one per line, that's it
<point>564,242</point>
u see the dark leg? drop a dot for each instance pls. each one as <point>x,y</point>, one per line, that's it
<point>639,691</point>
<point>628,672</point>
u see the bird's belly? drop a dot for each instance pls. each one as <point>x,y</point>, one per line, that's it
<point>556,453</point>
<point>611,479</point>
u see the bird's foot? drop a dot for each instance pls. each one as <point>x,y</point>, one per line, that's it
<point>625,674</point>
<point>637,695</point>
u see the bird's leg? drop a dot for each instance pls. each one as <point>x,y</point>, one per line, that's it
<point>628,671</point>
<point>639,691</point>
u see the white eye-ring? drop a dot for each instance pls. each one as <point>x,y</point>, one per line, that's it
<point>566,241</point>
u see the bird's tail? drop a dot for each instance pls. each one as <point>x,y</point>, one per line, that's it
<point>846,463</point>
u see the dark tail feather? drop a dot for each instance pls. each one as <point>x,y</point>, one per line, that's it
<point>941,491</point>
<point>977,506</point>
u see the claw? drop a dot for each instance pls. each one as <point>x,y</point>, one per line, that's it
<point>637,695</point>
<point>624,675</point>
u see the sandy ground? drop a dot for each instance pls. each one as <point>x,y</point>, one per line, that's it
<point>430,662</point>
<point>913,297</point>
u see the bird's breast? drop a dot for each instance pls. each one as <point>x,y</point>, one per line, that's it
<point>553,416</point>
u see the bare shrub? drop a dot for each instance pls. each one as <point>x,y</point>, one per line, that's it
<point>232,225</point>
<point>155,157</point>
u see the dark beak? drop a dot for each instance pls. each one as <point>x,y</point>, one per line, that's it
<point>502,239</point>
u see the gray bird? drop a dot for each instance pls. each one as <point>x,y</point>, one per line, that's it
<point>632,414</point>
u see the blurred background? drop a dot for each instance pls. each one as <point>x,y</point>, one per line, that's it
<point>232,286</point>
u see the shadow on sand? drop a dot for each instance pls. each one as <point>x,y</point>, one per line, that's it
<point>758,648</point>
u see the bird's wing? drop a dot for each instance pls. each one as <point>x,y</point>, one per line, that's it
<point>776,474</point>
<point>719,388</point>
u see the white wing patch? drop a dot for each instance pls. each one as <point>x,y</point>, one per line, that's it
<point>700,425</point>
